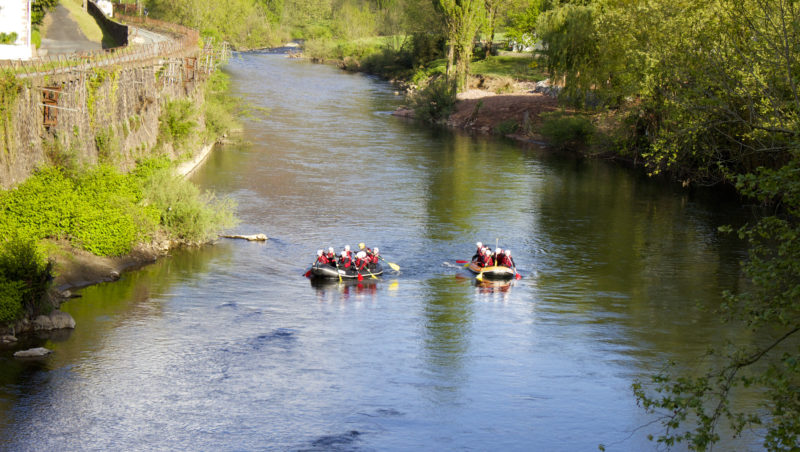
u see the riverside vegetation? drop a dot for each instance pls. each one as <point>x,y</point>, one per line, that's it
<point>704,93</point>
<point>106,212</point>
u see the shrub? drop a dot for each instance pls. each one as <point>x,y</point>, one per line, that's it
<point>564,131</point>
<point>186,213</point>
<point>177,122</point>
<point>43,206</point>
<point>507,127</point>
<point>25,276</point>
<point>435,101</point>
<point>220,105</point>
<point>10,301</point>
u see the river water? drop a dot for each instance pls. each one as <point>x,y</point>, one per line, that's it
<point>229,347</point>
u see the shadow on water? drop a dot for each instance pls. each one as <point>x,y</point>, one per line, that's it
<point>448,315</point>
<point>230,347</point>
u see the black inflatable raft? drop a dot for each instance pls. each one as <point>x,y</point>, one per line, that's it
<point>327,271</point>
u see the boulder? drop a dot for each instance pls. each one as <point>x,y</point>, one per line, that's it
<point>61,320</point>
<point>33,353</point>
<point>7,339</point>
<point>42,323</point>
<point>55,321</point>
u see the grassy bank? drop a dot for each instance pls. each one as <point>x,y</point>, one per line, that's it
<point>72,207</point>
<point>100,210</point>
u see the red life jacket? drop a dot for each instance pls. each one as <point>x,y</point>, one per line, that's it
<point>486,261</point>
<point>331,257</point>
<point>322,259</point>
<point>345,262</point>
<point>504,261</point>
<point>361,263</point>
<point>374,259</point>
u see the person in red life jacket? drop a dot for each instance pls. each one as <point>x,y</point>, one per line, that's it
<point>366,249</point>
<point>479,252</point>
<point>331,255</point>
<point>375,256</point>
<point>504,260</point>
<point>345,262</point>
<point>349,253</point>
<point>361,261</point>
<point>510,260</point>
<point>322,258</point>
<point>486,259</point>
<point>496,256</point>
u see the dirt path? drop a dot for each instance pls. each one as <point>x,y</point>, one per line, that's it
<point>485,112</point>
<point>64,35</point>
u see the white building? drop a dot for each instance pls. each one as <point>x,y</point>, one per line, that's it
<point>106,7</point>
<point>15,17</point>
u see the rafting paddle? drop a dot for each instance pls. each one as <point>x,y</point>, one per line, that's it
<point>394,266</point>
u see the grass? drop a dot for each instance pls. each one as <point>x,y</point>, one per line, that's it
<point>517,67</point>
<point>85,21</point>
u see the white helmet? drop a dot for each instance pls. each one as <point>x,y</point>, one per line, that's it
<point>347,247</point>
<point>344,253</point>
<point>330,249</point>
<point>319,252</point>
<point>487,251</point>
<point>508,252</point>
<point>375,250</point>
<point>480,245</point>
<point>499,251</point>
<point>361,254</point>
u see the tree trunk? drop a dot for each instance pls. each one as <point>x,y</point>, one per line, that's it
<point>492,12</point>
<point>450,56</point>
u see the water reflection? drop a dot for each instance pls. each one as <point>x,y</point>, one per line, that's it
<point>448,316</point>
<point>231,345</point>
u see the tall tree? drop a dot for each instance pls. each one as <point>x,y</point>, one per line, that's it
<point>462,18</point>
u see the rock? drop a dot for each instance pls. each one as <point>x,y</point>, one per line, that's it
<point>404,112</point>
<point>7,339</point>
<point>33,353</point>
<point>252,238</point>
<point>42,323</point>
<point>61,320</point>
<point>55,321</point>
<point>114,275</point>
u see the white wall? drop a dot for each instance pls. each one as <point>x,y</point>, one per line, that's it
<point>15,16</point>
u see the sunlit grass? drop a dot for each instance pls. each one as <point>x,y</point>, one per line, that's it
<point>85,21</point>
<point>519,67</point>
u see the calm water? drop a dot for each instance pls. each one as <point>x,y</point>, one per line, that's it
<point>228,347</point>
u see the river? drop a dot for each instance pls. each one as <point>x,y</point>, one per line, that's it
<point>229,347</point>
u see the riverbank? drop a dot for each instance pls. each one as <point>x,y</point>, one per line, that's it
<point>73,267</point>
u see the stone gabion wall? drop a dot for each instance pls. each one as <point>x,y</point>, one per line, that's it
<point>109,114</point>
<point>107,108</point>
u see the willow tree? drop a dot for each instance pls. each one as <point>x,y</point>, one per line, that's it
<point>462,18</point>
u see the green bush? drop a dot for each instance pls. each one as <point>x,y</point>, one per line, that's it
<point>177,122</point>
<point>507,127</point>
<point>186,212</point>
<point>220,106</point>
<point>44,206</point>
<point>10,301</point>
<point>25,277</point>
<point>435,101</point>
<point>564,131</point>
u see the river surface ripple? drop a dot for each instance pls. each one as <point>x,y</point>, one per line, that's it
<point>228,347</point>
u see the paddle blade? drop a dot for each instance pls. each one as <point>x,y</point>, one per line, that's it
<point>518,276</point>
<point>373,276</point>
<point>467,264</point>
<point>394,266</point>
<point>308,273</point>
<point>479,277</point>
<point>459,261</point>
<point>360,277</point>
